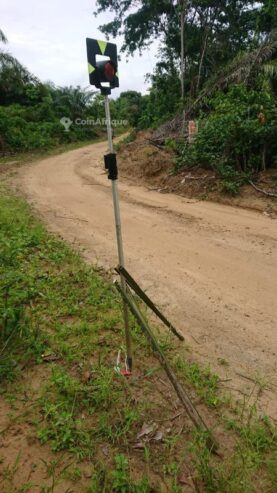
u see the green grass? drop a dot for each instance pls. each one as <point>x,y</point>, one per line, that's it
<point>131,137</point>
<point>27,157</point>
<point>60,318</point>
<point>203,380</point>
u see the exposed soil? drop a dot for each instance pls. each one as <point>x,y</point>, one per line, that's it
<point>152,167</point>
<point>23,460</point>
<point>211,267</point>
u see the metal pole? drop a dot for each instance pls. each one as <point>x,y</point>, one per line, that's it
<point>119,237</point>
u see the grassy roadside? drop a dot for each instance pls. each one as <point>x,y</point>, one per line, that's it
<point>28,157</point>
<point>68,422</point>
<point>20,158</point>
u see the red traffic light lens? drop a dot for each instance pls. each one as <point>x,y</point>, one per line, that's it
<point>109,71</point>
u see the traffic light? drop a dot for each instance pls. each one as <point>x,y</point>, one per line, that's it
<point>104,71</point>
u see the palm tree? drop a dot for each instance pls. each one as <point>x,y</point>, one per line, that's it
<point>6,58</point>
<point>13,76</point>
<point>3,38</point>
<point>73,99</point>
<point>243,68</point>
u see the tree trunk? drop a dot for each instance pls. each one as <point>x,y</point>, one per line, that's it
<point>202,60</point>
<point>182,14</point>
<point>264,158</point>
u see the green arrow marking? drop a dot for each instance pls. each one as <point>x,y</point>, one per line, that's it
<point>90,68</point>
<point>102,46</point>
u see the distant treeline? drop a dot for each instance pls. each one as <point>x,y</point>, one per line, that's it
<point>31,111</point>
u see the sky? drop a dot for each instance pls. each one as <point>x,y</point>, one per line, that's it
<point>48,37</point>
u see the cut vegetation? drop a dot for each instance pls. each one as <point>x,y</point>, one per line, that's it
<point>158,168</point>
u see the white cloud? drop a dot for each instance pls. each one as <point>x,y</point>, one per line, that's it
<point>48,37</point>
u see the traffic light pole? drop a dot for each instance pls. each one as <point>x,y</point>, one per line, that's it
<point>119,237</point>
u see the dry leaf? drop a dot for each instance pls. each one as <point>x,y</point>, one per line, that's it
<point>50,357</point>
<point>139,445</point>
<point>145,430</point>
<point>86,376</point>
<point>158,436</point>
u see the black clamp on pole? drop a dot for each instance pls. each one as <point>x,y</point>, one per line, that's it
<point>111,165</point>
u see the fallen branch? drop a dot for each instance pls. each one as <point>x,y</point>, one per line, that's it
<point>255,381</point>
<point>269,194</point>
<point>152,142</point>
<point>246,377</point>
<point>205,177</point>
<point>71,218</point>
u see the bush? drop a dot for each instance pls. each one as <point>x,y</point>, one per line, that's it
<point>22,129</point>
<point>238,136</point>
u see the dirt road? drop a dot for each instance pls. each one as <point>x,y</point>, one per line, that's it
<point>213,268</point>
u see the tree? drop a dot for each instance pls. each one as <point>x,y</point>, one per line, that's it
<point>129,107</point>
<point>71,101</point>
<point>183,5</point>
<point>247,67</point>
<point>214,31</point>
<point>237,137</point>
<point>30,111</point>
<point>164,96</point>
<point>14,77</point>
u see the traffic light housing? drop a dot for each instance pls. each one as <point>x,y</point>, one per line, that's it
<point>104,71</point>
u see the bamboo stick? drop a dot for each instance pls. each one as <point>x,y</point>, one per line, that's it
<point>183,396</point>
<point>133,284</point>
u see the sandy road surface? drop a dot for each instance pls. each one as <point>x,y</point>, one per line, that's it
<point>213,268</point>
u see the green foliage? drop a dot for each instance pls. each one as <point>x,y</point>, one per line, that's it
<point>121,482</point>
<point>31,112</point>
<point>36,123</point>
<point>203,380</point>
<point>237,137</point>
<point>131,137</point>
<point>244,466</point>
<point>271,465</point>
<point>214,32</point>
<point>128,106</point>
<point>170,143</point>
<point>62,430</point>
<point>118,479</point>
<point>163,100</point>
<point>19,239</point>
<point>121,474</point>
<point>230,187</point>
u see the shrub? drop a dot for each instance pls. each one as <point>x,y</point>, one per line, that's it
<point>237,137</point>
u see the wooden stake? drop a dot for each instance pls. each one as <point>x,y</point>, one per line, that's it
<point>133,285</point>
<point>184,398</point>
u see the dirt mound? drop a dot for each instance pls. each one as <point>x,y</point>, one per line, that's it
<point>145,162</point>
<point>152,165</point>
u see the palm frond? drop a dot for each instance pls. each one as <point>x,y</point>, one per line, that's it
<point>270,69</point>
<point>244,66</point>
<point>3,38</point>
<point>239,70</point>
<point>8,62</point>
<point>7,59</point>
